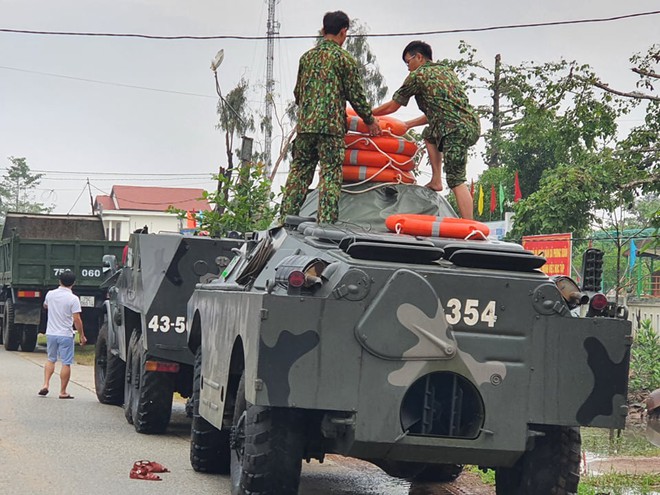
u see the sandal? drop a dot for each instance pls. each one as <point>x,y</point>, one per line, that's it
<point>143,474</point>
<point>150,466</point>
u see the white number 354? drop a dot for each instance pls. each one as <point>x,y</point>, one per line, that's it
<point>469,312</point>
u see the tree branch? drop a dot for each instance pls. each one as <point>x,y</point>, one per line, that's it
<point>653,179</point>
<point>634,94</point>
<point>645,73</point>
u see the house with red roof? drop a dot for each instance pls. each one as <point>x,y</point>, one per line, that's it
<point>128,208</point>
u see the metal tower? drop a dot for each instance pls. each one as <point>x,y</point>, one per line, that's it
<point>272,29</point>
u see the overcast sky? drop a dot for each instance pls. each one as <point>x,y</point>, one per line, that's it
<point>55,115</point>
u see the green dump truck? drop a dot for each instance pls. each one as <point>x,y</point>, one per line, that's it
<point>34,250</point>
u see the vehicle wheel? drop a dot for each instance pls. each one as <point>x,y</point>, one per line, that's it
<point>29,338</point>
<point>132,372</point>
<point>552,466</point>
<point>109,371</point>
<point>439,473</point>
<point>151,400</point>
<point>267,448</point>
<point>209,447</point>
<point>11,331</point>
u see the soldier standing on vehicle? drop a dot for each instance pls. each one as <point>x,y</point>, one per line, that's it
<point>328,76</point>
<point>453,125</point>
<point>63,314</point>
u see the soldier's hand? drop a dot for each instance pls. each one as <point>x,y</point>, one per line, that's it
<point>374,128</point>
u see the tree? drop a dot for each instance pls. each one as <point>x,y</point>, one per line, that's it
<point>358,46</point>
<point>17,188</point>
<point>235,119</point>
<point>247,206</point>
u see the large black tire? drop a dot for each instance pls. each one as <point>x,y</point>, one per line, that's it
<point>209,446</point>
<point>439,473</point>
<point>109,371</point>
<point>267,449</point>
<point>552,466</point>
<point>29,338</point>
<point>151,395</point>
<point>11,337</point>
<point>132,370</point>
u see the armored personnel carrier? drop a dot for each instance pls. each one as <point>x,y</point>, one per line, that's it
<point>141,354</point>
<point>416,353</point>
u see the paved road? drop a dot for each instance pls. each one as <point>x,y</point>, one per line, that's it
<point>50,446</point>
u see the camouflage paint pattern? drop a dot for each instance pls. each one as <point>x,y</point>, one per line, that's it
<point>328,77</point>
<point>308,150</point>
<point>161,274</point>
<point>354,348</point>
<point>453,123</point>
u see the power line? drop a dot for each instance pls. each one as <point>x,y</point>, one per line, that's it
<point>314,36</point>
<point>96,81</point>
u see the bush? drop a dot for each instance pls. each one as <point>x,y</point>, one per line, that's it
<point>644,362</point>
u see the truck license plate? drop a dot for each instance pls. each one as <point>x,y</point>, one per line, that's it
<point>87,301</point>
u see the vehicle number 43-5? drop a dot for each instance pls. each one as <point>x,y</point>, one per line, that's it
<point>165,323</point>
<point>469,313</point>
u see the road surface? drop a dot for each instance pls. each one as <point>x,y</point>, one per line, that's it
<point>50,446</point>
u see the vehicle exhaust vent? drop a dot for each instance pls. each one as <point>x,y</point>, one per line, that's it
<point>442,404</point>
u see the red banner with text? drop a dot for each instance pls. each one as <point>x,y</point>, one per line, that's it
<point>556,248</point>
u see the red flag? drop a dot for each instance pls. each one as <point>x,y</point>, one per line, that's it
<point>517,194</point>
<point>472,188</point>
<point>493,199</point>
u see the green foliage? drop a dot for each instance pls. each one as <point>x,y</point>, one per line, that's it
<point>17,188</point>
<point>563,203</point>
<point>644,362</point>
<point>358,46</point>
<point>244,203</point>
<point>234,118</point>
<point>619,484</point>
<point>630,442</point>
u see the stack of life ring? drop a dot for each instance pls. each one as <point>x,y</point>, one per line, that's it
<point>385,158</point>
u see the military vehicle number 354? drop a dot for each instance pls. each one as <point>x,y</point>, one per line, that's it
<point>468,312</point>
<point>164,323</point>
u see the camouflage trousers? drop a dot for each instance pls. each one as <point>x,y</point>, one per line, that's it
<point>308,150</point>
<point>454,147</point>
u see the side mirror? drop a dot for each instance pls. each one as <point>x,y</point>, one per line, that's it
<point>109,263</point>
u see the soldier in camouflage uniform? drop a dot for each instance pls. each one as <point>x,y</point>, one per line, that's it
<point>327,77</point>
<point>453,125</point>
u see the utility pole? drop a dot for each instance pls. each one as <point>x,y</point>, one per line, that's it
<point>272,29</point>
<point>494,159</point>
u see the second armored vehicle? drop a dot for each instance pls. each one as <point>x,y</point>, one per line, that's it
<point>141,354</point>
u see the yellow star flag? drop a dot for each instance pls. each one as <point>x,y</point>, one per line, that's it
<point>480,204</point>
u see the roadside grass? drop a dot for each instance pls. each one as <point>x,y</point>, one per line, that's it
<point>620,484</point>
<point>629,442</point>
<point>605,484</point>
<point>82,355</point>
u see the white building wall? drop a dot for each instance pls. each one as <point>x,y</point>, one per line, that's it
<point>645,309</point>
<point>119,224</point>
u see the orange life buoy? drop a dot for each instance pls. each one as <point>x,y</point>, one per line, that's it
<point>429,225</point>
<point>388,144</point>
<point>356,124</point>
<point>378,159</point>
<point>375,174</point>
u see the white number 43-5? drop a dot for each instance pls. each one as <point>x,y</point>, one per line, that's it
<point>165,323</point>
<point>469,312</point>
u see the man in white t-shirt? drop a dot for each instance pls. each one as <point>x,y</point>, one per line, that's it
<point>63,315</point>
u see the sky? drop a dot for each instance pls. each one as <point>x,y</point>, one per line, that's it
<point>130,111</point>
